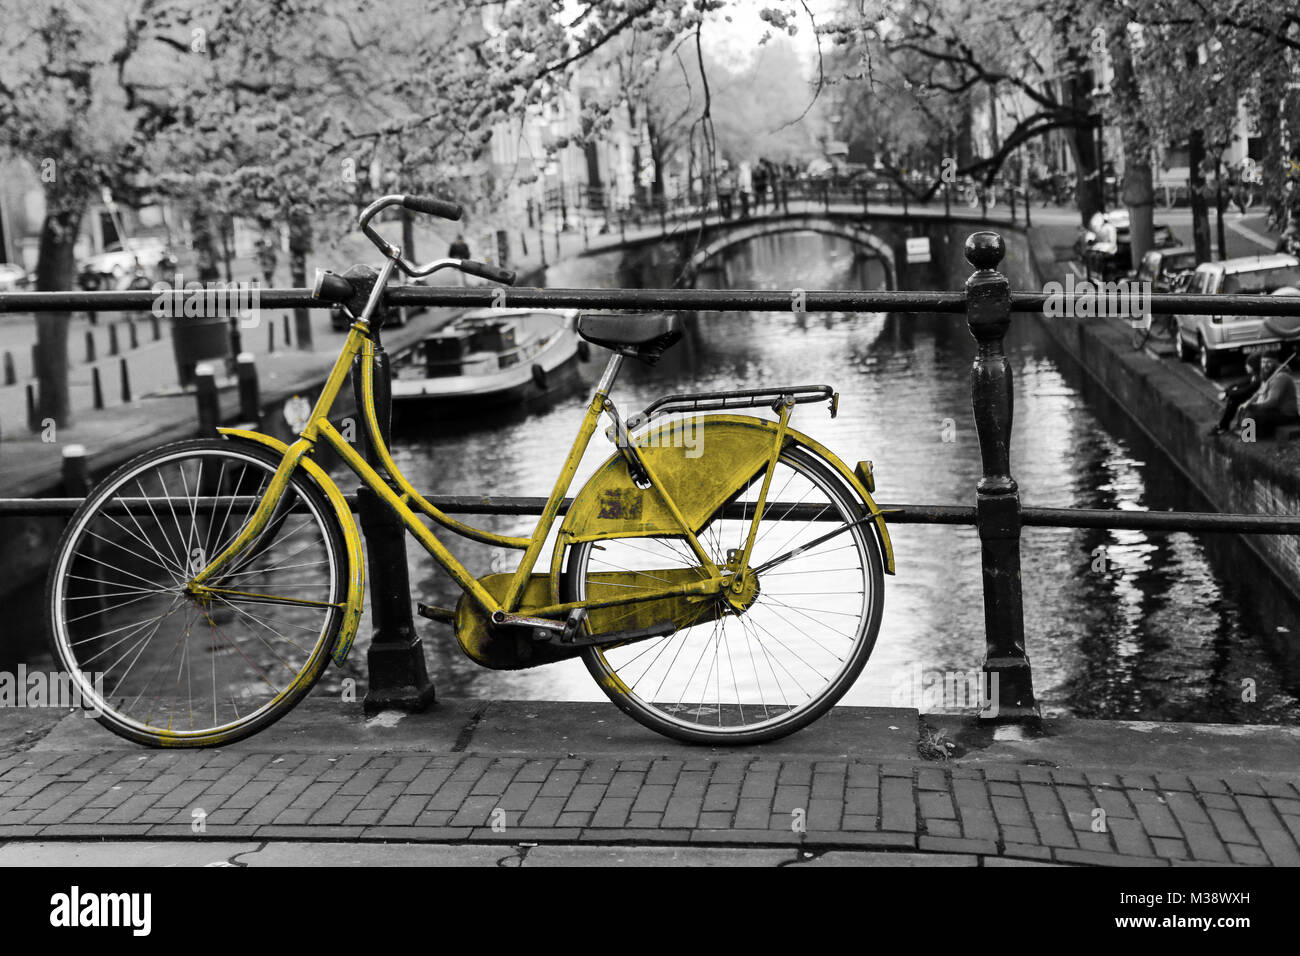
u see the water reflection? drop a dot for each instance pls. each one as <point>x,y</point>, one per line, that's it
<point>1119,624</point>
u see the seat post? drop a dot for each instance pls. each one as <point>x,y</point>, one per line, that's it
<point>607,377</point>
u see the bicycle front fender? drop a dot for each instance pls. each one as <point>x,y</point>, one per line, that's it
<point>722,456</point>
<point>351,537</point>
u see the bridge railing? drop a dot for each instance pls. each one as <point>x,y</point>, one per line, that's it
<point>396,660</point>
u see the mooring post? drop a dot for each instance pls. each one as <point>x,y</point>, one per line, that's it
<point>207,398</point>
<point>988,314</point>
<point>399,678</point>
<point>250,405</point>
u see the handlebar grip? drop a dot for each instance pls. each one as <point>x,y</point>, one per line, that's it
<point>330,287</point>
<point>485,271</point>
<point>433,207</point>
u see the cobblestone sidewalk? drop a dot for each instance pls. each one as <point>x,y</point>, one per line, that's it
<point>1025,812</point>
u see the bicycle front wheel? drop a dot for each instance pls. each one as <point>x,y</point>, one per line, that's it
<point>763,665</point>
<point>166,666</point>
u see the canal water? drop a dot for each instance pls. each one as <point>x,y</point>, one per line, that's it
<point>1118,624</point>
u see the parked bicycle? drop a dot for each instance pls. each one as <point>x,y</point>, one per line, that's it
<point>722,590</point>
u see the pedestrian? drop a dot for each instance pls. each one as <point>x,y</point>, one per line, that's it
<point>1236,394</point>
<point>726,186</point>
<point>760,185</point>
<point>1273,404</point>
<point>459,250</point>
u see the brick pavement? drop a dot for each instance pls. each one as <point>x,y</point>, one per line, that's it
<point>1013,811</point>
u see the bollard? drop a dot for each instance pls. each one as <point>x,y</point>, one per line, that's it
<point>33,421</point>
<point>988,315</point>
<point>287,342</point>
<point>246,373</point>
<point>96,388</point>
<point>90,346</point>
<point>112,339</point>
<point>125,375</point>
<point>11,374</point>
<point>157,327</point>
<point>270,335</point>
<point>133,337</point>
<point>76,472</point>
<point>207,398</point>
<point>399,677</point>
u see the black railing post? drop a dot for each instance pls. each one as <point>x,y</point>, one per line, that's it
<point>395,663</point>
<point>988,314</point>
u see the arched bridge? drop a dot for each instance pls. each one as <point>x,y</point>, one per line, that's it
<point>877,232</point>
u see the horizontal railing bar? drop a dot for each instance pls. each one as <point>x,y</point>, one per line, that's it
<point>896,514</point>
<point>747,300</point>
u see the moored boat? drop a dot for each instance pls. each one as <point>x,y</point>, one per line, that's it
<point>489,359</point>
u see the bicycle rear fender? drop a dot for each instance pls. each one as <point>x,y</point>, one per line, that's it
<point>351,537</point>
<point>724,455</point>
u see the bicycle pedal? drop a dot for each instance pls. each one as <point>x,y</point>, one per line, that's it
<point>435,613</point>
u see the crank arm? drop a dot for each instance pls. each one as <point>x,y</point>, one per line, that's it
<point>662,629</point>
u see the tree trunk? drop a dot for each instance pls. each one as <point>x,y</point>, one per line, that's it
<point>55,269</point>
<point>1272,175</point>
<point>1196,195</point>
<point>299,246</point>
<point>204,236</point>
<point>1139,192</point>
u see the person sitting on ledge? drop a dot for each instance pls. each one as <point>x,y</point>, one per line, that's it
<point>1234,395</point>
<point>1273,404</point>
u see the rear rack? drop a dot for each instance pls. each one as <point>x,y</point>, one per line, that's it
<point>738,398</point>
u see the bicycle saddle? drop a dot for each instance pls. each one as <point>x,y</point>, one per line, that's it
<point>645,337</point>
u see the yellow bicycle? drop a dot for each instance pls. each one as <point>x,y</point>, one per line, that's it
<point>721,575</point>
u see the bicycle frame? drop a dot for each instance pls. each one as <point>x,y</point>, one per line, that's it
<point>409,504</point>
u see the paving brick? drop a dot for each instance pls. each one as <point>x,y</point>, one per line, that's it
<point>1158,821</point>
<point>1259,814</point>
<point>625,783</point>
<point>795,773</point>
<point>730,771</point>
<point>1035,774</point>
<point>824,814</point>
<point>714,820</point>
<point>691,783</point>
<point>478,810</point>
<point>859,822</point>
<point>978,825</point>
<point>449,796</point>
<point>1208,784</point>
<point>611,812</point>
<point>936,804</point>
<point>544,812</point>
<point>944,844</point>
<point>1011,812</point>
<point>405,809</point>
<point>1129,837</point>
<point>1247,855</point>
<point>1067,778</point>
<point>1105,859</point>
<point>1030,851</point>
<point>971,794</point>
<point>1170,849</point>
<point>863,775</point>
<point>859,800</point>
<point>585,797</point>
<point>336,809</point>
<point>519,795</point>
<point>789,798</point>
<point>683,811</point>
<point>1053,829</point>
<point>1279,788</point>
<point>723,797</point>
<point>1232,826</point>
<point>492,783</point>
<point>428,780</point>
<point>1239,784</point>
<point>1279,846</point>
<point>646,820</point>
<point>758,786</point>
<point>663,771</point>
<point>752,813</point>
<point>1204,842</point>
<point>1002,788</point>
<point>897,811</point>
<point>1173,781</point>
<point>560,783</point>
<point>653,798</point>
<point>943,828</point>
<point>600,771</point>
<point>1221,801</point>
<point>573,819</point>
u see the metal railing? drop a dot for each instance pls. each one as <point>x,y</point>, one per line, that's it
<point>396,658</point>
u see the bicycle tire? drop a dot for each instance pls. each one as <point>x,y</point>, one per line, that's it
<point>694,724</point>
<point>244,667</point>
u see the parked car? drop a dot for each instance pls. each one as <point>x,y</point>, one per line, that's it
<point>1105,245</point>
<point>1166,269</point>
<point>1217,340</point>
<point>117,265</point>
<point>12,277</point>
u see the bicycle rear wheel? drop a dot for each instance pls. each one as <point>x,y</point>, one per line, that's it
<point>802,632</point>
<point>165,666</point>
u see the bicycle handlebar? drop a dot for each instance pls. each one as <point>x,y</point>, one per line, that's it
<point>485,271</point>
<point>433,207</point>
